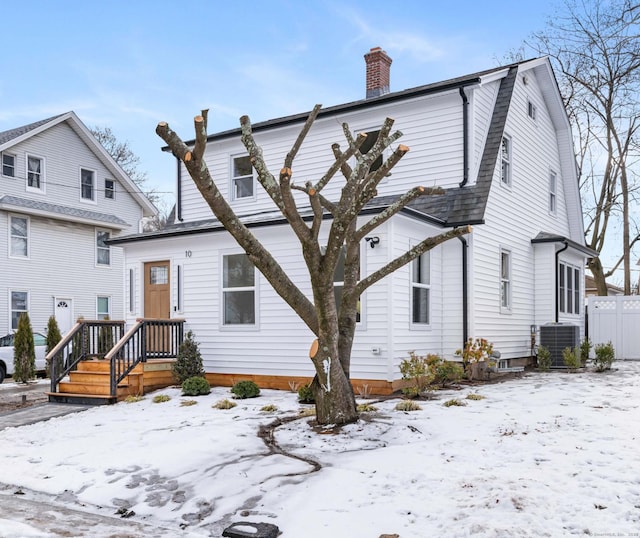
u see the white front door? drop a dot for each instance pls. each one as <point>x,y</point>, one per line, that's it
<point>64,314</point>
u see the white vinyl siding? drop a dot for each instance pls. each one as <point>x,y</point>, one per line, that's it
<point>19,240</point>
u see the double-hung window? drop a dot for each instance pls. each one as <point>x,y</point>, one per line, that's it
<point>103,252</point>
<point>35,172</point>
<point>242,184</point>
<point>553,187</point>
<point>19,306</point>
<point>506,157</point>
<point>505,280</point>
<point>568,289</point>
<point>87,184</point>
<point>8,165</point>
<point>109,189</point>
<point>103,307</point>
<point>19,237</point>
<point>420,288</point>
<point>238,290</point>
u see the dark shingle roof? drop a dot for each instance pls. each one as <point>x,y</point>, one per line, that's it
<point>63,211</point>
<point>7,136</point>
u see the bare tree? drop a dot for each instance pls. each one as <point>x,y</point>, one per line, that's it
<point>331,321</point>
<point>595,48</point>
<point>125,157</point>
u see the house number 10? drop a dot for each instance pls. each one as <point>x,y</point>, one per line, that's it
<point>187,254</point>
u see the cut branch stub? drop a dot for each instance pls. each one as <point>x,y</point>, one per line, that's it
<point>313,351</point>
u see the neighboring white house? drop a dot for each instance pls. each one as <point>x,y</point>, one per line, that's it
<point>498,141</point>
<point>62,197</point>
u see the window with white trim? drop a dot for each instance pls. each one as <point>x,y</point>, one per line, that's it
<point>238,290</point>
<point>109,189</point>
<point>421,289</point>
<point>87,184</point>
<point>242,183</point>
<point>569,278</point>
<point>103,307</point>
<point>553,187</point>
<point>8,165</point>
<point>532,112</point>
<point>505,279</point>
<point>103,252</point>
<point>19,306</point>
<point>19,237</point>
<point>505,152</point>
<point>35,173</point>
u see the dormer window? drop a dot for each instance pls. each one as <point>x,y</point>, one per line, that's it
<point>241,178</point>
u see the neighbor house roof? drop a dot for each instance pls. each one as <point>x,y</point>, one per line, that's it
<point>14,136</point>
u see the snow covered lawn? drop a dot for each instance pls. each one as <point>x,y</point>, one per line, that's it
<point>548,454</point>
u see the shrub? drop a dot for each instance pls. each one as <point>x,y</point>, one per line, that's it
<point>571,358</point>
<point>269,408</point>
<point>544,358</point>
<point>447,372</point>
<point>52,340</point>
<point>187,403</point>
<point>474,396</point>
<point>24,351</point>
<point>188,361</point>
<point>454,403</point>
<point>133,399</point>
<point>305,394</point>
<point>407,405</point>
<point>585,348</point>
<point>366,408</point>
<point>224,404</point>
<point>195,386</point>
<point>605,354</point>
<point>245,389</point>
<point>417,370</point>
<point>474,351</point>
<point>160,398</point>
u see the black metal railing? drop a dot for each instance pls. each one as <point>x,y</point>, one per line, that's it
<point>147,339</point>
<point>87,339</point>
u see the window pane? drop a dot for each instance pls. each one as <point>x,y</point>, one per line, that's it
<point>86,180</point>
<point>18,307</point>
<point>109,189</point>
<point>561,288</point>
<point>238,271</point>
<point>420,305</point>
<point>159,274</point>
<point>19,236</point>
<point>34,172</point>
<point>8,165</point>
<point>420,269</point>
<point>103,307</point>
<point>242,166</point>
<point>505,265</point>
<point>576,300</point>
<point>239,307</point>
<point>569,290</point>
<point>102,255</point>
<point>244,187</point>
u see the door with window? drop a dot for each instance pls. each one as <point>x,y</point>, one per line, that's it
<point>63,313</point>
<point>157,303</point>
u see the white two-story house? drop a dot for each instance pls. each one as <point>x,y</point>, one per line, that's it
<point>62,197</point>
<point>498,142</point>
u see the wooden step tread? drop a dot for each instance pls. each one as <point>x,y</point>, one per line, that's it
<point>77,395</point>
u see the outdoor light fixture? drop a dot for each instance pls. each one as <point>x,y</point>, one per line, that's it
<point>373,241</point>
<point>533,329</point>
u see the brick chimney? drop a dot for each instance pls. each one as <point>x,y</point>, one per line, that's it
<point>378,64</point>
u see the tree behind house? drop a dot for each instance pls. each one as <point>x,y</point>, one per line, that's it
<point>24,351</point>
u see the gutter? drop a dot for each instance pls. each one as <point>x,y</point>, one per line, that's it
<point>558,252</point>
<point>465,135</point>
<point>465,291</point>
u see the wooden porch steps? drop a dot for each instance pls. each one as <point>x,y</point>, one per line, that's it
<point>90,384</point>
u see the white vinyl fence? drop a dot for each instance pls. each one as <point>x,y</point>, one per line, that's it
<point>616,319</point>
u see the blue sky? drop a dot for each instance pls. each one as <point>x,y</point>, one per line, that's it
<point>128,65</point>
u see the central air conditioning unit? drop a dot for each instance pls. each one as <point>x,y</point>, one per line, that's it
<point>557,336</point>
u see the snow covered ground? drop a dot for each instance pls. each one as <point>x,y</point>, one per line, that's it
<point>548,454</point>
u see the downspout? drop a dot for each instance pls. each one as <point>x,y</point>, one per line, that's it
<point>465,292</point>
<point>179,192</point>
<point>465,133</point>
<point>558,252</point>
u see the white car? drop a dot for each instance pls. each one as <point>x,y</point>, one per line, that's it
<point>6,353</point>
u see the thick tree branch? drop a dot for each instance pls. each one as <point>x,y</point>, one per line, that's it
<point>288,161</point>
<point>409,256</point>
